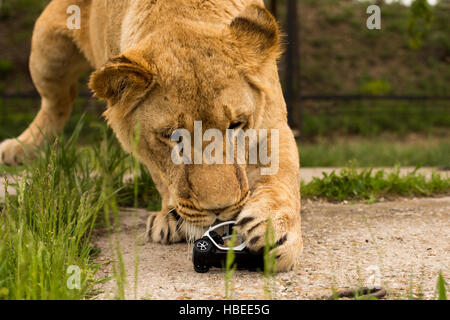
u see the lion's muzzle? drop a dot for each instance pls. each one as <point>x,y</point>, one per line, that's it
<point>215,192</point>
<point>216,186</point>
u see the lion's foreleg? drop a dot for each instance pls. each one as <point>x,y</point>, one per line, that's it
<point>275,199</point>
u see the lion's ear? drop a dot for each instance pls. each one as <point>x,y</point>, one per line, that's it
<point>257,36</point>
<point>120,79</point>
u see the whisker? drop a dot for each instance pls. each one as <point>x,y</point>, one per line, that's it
<point>171,210</point>
<point>179,225</point>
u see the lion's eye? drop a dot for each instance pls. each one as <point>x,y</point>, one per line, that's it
<point>166,134</point>
<point>237,125</point>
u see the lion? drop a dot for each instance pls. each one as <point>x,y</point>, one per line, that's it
<point>162,65</point>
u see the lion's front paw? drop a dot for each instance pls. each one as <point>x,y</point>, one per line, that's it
<point>164,227</point>
<point>11,153</point>
<point>286,241</point>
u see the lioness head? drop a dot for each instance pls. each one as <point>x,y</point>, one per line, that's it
<point>186,72</point>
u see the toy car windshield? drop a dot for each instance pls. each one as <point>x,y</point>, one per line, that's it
<point>211,250</point>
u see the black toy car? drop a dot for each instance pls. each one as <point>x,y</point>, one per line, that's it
<point>210,251</point>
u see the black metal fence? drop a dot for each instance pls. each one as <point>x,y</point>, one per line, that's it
<point>295,98</point>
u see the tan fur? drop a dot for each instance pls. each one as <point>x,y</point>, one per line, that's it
<point>163,64</point>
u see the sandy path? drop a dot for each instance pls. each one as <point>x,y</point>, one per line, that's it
<point>408,240</point>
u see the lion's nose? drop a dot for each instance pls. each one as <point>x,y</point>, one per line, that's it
<point>215,186</point>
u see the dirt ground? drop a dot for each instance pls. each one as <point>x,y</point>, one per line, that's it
<point>408,241</point>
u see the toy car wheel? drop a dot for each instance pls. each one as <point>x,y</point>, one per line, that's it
<point>203,246</point>
<point>201,269</point>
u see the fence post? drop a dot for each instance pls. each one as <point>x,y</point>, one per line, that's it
<point>292,80</point>
<point>274,8</point>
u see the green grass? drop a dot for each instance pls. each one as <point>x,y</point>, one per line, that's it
<point>270,262</point>
<point>47,226</point>
<point>441,287</point>
<point>230,266</point>
<point>370,185</point>
<point>328,119</point>
<point>384,151</point>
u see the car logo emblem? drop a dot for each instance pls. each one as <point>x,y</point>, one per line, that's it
<point>202,245</point>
